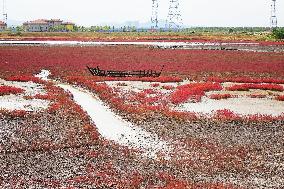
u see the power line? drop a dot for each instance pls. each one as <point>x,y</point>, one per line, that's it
<point>273,18</point>
<point>154,18</point>
<point>5,15</point>
<point>174,20</point>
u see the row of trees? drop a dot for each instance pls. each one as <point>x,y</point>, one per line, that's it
<point>105,29</point>
<point>277,33</point>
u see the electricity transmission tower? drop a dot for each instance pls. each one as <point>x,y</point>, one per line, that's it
<point>273,18</point>
<point>174,20</point>
<point>154,18</point>
<point>5,15</point>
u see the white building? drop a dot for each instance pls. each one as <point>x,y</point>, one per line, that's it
<point>41,25</point>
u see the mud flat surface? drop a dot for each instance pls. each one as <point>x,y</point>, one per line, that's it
<point>254,47</point>
<point>19,102</point>
<point>261,167</point>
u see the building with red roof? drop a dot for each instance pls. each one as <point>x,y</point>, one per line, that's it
<point>45,25</point>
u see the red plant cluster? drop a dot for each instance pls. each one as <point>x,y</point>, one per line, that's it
<point>168,87</point>
<point>263,118</point>
<point>155,85</point>
<point>43,97</point>
<point>62,101</point>
<point>257,96</point>
<point>180,115</point>
<point>280,98</point>
<point>245,80</point>
<point>226,115</point>
<point>193,91</point>
<point>220,96</point>
<point>14,113</point>
<point>25,78</point>
<point>6,90</point>
<point>247,87</point>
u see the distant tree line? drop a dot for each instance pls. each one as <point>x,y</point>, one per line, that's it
<point>227,29</point>
<point>187,30</point>
<point>276,33</point>
<point>105,29</point>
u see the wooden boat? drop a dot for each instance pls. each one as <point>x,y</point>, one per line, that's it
<point>114,73</point>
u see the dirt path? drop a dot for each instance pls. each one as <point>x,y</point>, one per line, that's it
<point>114,128</point>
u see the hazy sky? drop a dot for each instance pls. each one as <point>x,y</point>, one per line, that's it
<point>194,12</point>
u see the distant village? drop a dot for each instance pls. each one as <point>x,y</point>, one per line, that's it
<point>44,25</point>
<point>58,25</point>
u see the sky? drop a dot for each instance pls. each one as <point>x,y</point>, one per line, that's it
<point>194,12</point>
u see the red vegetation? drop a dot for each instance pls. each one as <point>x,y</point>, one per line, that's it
<point>155,85</point>
<point>257,96</point>
<point>25,78</point>
<point>14,113</point>
<point>246,80</point>
<point>247,87</point>
<point>280,98</point>
<point>168,87</point>
<point>193,91</point>
<point>43,97</point>
<point>18,113</point>
<point>6,90</point>
<point>180,115</point>
<point>220,96</point>
<point>63,61</point>
<point>170,182</point>
<point>226,115</point>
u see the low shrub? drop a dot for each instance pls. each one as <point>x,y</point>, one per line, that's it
<point>280,98</point>
<point>25,78</point>
<point>247,87</point>
<point>257,96</point>
<point>226,115</point>
<point>168,87</point>
<point>7,90</point>
<point>13,113</point>
<point>246,80</point>
<point>155,85</point>
<point>220,96</point>
<point>193,91</point>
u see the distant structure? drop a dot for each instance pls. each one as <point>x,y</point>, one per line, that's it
<point>273,18</point>
<point>45,25</point>
<point>154,18</point>
<point>5,15</point>
<point>174,20</point>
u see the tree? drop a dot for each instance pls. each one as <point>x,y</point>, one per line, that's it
<point>278,33</point>
<point>231,30</point>
<point>58,28</point>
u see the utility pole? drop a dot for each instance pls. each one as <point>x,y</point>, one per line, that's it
<point>154,18</point>
<point>273,18</point>
<point>5,15</point>
<point>174,20</point>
